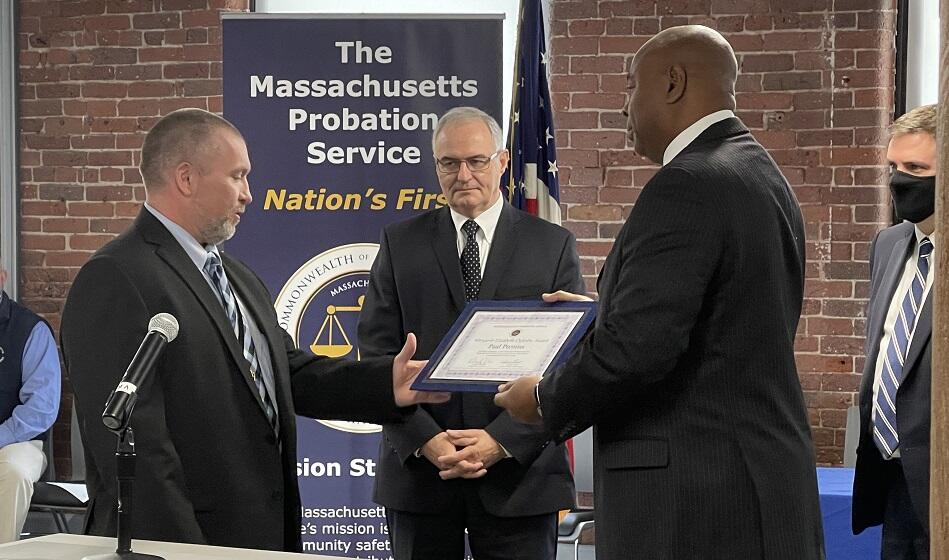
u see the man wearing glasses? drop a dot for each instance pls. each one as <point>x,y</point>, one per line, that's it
<point>466,464</point>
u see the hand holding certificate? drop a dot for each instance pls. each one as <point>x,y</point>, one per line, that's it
<point>494,342</point>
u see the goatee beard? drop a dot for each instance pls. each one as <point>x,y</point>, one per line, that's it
<point>218,232</point>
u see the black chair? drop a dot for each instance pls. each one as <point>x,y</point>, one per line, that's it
<point>577,524</point>
<point>51,498</point>
<point>571,529</point>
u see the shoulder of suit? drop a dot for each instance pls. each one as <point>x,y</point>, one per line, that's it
<point>681,172</point>
<point>523,220</point>
<point>128,245</point>
<point>895,233</point>
<point>425,220</point>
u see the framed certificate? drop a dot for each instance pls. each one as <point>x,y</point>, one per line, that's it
<point>493,342</point>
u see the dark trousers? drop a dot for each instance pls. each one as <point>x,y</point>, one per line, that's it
<point>441,536</point>
<point>904,537</point>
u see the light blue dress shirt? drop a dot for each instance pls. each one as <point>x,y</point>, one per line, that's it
<point>40,391</point>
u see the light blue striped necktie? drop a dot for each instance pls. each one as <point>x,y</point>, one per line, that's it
<point>885,432</point>
<point>214,269</point>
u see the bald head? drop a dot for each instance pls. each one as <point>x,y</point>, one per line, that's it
<point>679,76</point>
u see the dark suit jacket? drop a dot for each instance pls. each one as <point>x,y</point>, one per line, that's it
<point>416,286</point>
<point>872,478</point>
<point>701,440</point>
<point>209,467</point>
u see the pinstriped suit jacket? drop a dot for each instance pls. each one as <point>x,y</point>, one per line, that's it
<point>701,439</point>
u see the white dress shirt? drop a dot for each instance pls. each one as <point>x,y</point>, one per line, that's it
<point>692,132</point>
<point>487,224</point>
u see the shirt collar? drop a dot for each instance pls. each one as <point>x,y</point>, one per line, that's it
<point>920,235</point>
<point>196,252</point>
<point>487,221</point>
<point>692,132</point>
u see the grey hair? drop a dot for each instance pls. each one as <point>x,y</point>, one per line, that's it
<point>470,113</point>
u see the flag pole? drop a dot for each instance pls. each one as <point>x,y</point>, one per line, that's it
<point>514,88</point>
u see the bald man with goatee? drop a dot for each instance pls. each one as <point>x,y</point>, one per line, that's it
<point>702,444</point>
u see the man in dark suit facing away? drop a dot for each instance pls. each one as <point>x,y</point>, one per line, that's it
<point>702,444</point>
<point>214,422</point>
<point>466,464</point>
<point>891,482</point>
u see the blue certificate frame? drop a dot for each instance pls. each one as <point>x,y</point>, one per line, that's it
<point>466,361</point>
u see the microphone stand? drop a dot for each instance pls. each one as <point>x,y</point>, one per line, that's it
<point>125,477</point>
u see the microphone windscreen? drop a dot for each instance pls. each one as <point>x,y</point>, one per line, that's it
<point>165,324</point>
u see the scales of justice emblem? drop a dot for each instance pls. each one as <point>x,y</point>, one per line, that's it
<point>319,307</point>
<point>325,344</point>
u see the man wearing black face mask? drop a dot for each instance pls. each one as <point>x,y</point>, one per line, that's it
<point>891,484</point>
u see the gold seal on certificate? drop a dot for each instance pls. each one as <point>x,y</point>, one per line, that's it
<point>493,342</point>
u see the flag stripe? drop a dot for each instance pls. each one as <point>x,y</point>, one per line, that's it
<point>532,178</point>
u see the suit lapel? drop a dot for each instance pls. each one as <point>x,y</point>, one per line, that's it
<point>445,245</point>
<point>170,251</point>
<point>502,250</point>
<point>881,301</point>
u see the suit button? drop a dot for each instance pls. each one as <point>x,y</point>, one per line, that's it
<point>276,495</point>
<point>271,438</point>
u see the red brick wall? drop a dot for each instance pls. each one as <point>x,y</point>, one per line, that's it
<point>816,89</point>
<point>96,74</point>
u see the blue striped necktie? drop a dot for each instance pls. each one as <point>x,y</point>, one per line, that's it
<point>214,269</point>
<point>885,433</point>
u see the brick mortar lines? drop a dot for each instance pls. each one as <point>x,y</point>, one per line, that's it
<point>835,181</point>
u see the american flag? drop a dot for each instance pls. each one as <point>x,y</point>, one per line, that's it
<point>532,178</point>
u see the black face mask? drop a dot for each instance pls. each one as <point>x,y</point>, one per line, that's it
<point>914,198</point>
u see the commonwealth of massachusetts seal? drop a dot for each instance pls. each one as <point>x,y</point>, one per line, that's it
<point>319,306</point>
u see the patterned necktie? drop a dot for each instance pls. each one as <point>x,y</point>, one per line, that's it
<point>471,261</point>
<point>884,423</point>
<point>213,268</point>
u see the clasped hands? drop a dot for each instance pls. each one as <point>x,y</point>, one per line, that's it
<point>462,453</point>
<point>470,453</point>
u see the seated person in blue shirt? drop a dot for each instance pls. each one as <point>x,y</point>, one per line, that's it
<point>29,403</point>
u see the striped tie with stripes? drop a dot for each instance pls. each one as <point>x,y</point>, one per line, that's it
<point>215,271</point>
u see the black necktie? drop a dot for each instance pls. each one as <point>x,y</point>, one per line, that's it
<point>471,261</point>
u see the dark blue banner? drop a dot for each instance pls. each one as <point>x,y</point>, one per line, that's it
<point>338,115</point>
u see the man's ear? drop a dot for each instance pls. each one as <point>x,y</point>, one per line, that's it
<point>183,176</point>
<point>676,76</point>
<point>504,158</point>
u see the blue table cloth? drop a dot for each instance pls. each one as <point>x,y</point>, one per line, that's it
<point>836,496</point>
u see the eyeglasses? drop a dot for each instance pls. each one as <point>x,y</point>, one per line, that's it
<point>480,163</point>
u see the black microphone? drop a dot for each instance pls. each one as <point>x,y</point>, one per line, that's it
<point>162,329</point>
